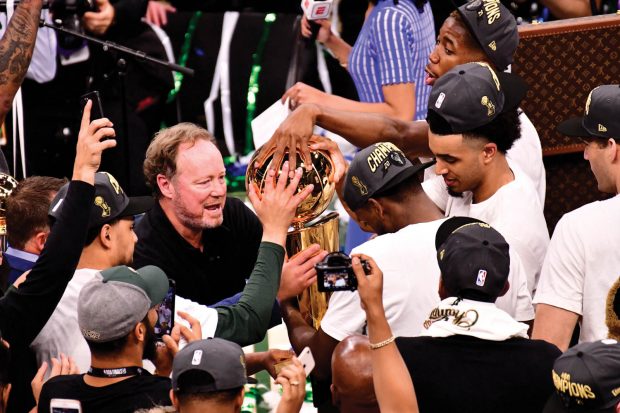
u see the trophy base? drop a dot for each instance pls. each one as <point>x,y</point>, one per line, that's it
<point>312,303</point>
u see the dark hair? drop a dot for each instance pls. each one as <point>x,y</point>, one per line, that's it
<point>403,190</point>
<point>191,383</point>
<point>503,131</point>
<point>94,232</point>
<point>418,3</point>
<point>27,207</point>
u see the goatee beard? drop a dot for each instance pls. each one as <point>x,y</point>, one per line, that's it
<point>454,194</point>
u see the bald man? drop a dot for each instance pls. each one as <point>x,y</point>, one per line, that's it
<point>352,389</point>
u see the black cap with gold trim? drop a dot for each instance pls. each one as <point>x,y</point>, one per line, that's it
<point>587,379</point>
<point>472,95</point>
<point>494,28</point>
<point>110,201</point>
<point>376,169</point>
<point>600,119</point>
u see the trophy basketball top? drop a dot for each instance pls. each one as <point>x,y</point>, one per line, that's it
<point>320,175</point>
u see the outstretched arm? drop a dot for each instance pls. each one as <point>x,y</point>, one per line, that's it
<point>16,47</point>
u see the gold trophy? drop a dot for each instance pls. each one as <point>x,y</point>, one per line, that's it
<point>7,185</point>
<point>306,229</point>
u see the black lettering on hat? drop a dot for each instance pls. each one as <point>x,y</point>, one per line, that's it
<point>105,208</point>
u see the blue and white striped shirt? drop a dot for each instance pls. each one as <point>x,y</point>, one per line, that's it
<point>393,47</point>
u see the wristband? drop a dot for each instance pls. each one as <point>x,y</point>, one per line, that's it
<point>382,343</point>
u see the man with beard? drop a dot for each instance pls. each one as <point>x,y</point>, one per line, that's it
<point>116,315</point>
<point>205,241</point>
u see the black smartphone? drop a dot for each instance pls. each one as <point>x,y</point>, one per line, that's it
<point>96,111</point>
<point>335,273</point>
<point>165,312</point>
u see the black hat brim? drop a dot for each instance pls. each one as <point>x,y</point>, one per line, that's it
<point>137,205</point>
<point>574,127</point>
<point>404,175</point>
<point>449,226</point>
<point>555,405</point>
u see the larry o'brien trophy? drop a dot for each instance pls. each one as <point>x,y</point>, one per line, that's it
<point>306,229</point>
<point>7,184</point>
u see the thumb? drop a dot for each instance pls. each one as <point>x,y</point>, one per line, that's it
<point>40,373</point>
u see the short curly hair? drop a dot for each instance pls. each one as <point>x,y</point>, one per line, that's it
<point>161,154</point>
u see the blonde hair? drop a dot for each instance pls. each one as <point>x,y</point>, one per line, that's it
<point>162,152</point>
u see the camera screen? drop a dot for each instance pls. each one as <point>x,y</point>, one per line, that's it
<point>338,281</point>
<point>165,314</point>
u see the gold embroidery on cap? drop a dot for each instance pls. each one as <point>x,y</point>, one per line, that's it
<point>360,185</point>
<point>114,183</point>
<point>493,75</point>
<point>485,101</point>
<point>492,9</point>
<point>602,128</point>
<point>493,45</point>
<point>588,101</point>
<point>105,208</point>
<point>441,254</point>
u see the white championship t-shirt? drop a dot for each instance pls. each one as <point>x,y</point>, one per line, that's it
<point>410,283</point>
<point>514,210</point>
<point>526,153</point>
<point>62,333</point>
<point>582,263</point>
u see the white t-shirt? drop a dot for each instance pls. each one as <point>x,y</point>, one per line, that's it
<point>514,210</point>
<point>582,263</point>
<point>410,283</point>
<point>62,332</point>
<point>526,153</point>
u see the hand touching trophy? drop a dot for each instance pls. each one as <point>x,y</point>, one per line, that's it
<point>306,228</point>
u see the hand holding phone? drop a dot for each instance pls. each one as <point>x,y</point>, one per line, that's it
<point>165,313</point>
<point>96,111</point>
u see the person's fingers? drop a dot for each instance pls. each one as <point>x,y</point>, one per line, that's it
<point>104,133</point>
<point>269,185</point>
<point>55,367</point>
<point>73,368</point>
<point>86,115</point>
<point>305,254</point>
<point>303,194</point>
<point>283,178</point>
<point>309,264</point>
<point>196,328</point>
<point>305,155</point>
<point>40,373</point>
<point>288,94</point>
<point>253,195</point>
<point>98,124</point>
<point>358,271</point>
<point>292,153</point>
<point>107,144</point>
<point>64,364</point>
<point>309,278</point>
<point>171,344</point>
<point>292,186</point>
<point>286,386</point>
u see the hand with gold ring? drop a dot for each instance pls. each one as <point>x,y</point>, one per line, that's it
<point>300,93</point>
<point>293,379</point>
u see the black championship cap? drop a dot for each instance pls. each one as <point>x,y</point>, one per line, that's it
<point>472,95</point>
<point>494,28</point>
<point>600,119</point>
<point>587,379</point>
<point>110,202</point>
<point>223,360</point>
<point>376,169</point>
<point>473,258</point>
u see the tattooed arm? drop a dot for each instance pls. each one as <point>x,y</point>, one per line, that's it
<point>16,48</point>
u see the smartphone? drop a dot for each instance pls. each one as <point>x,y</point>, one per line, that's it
<point>165,312</point>
<point>96,111</point>
<point>306,359</point>
<point>65,406</point>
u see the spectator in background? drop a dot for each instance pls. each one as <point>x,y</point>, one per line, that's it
<point>583,260</point>
<point>27,223</point>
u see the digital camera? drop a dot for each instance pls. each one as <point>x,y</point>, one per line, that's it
<point>335,273</point>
